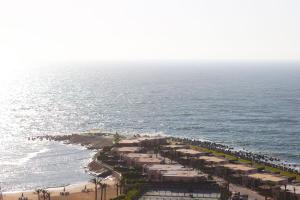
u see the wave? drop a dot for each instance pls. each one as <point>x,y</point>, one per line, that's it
<point>26,158</point>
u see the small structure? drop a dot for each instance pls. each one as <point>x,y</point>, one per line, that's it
<point>142,162</point>
<point>190,152</point>
<point>212,160</point>
<point>234,172</point>
<point>132,157</point>
<point>266,178</point>
<point>128,142</point>
<point>291,190</point>
<point>178,191</point>
<point>143,141</point>
<point>154,172</point>
<point>126,150</point>
<point>174,146</point>
<point>153,141</point>
<point>163,167</point>
<point>183,176</point>
<point>140,159</point>
<point>239,169</point>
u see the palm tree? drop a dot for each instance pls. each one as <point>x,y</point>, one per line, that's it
<point>43,194</point>
<point>104,191</point>
<point>97,182</point>
<point>122,184</point>
<point>285,192</point>
<point>117,138</point>
<point>46,194</point>
<point>101,187</point>
<point>38,192</point>
<point>117,185</point>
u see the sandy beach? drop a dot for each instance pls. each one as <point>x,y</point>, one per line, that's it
<point>75,192</point>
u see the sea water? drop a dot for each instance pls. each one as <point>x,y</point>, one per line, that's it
<point>251,106</point>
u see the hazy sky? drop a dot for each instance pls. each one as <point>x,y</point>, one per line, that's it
<point>38,31</point>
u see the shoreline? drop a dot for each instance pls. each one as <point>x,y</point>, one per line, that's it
<point>231,150</point>
<point>97,140</point>
<point>241,153</point>
<point>75,191</point>
<point>245,154</point>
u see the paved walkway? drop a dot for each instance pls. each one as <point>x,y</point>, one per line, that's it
<point>252,195</point>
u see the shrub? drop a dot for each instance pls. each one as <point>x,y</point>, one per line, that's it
<point>132,194</point>
<point>121,197</point>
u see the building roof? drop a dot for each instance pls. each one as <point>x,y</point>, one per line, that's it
<point>164,167</point>
<point>175,146</point>
<point>268,177</point>
<point>183,173</point>
<point>137,140</point>
<point>239,167</point>
<point>128,149</point>
<point>149,160</point>
<point>189,151</point>
<point>291,188</point>
<point>139,155</point>
<point>212,159</point>
<point>128,141</point>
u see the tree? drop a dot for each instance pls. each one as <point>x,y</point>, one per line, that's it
<point>117,186</point>
<point>101,187</point>
<point>104,190</point>
<point>96,181</point>
<point>38,192</point>
<point>117,138</point>
<point>46,194</point>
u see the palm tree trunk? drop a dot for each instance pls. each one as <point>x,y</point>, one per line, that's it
<point>96,192</point>
<point>117,189</point>
<point>103,193</point>
<point>38,193</point>
<point>284,192</point>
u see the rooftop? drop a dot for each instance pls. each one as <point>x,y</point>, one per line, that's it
<point>239,167</point>
<point>189,151</point>
<point>183,173</point>
<point>139,155</point>
<point>268,177</point>
<point>291,188</point>
<point>137,140</point>
<point>128,149</point>
<point>149,160</point>
<point>175,146</point>
<point>129,141</point>
<point>213,159</point>
<point>163,167</point>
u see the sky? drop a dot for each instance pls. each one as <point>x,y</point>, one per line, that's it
<point>34,32</point>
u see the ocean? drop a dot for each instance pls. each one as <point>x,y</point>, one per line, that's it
<point>251,106</point>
